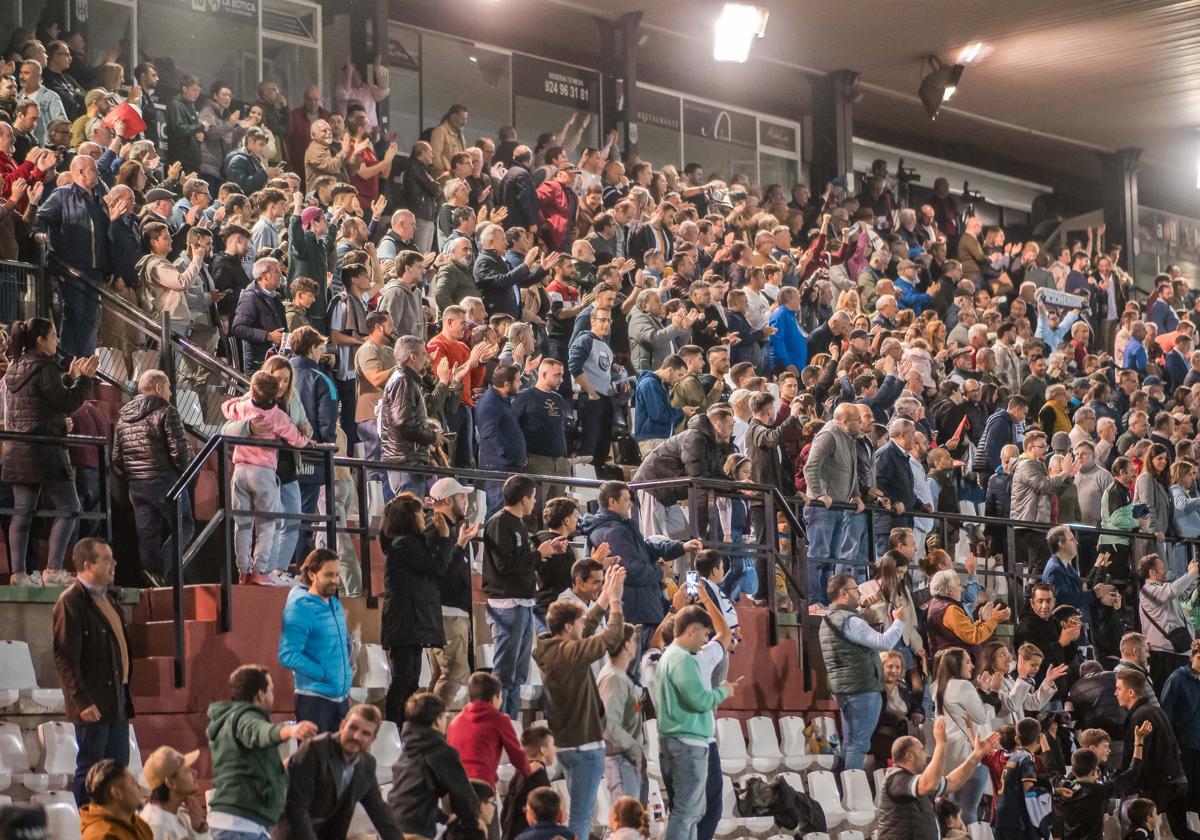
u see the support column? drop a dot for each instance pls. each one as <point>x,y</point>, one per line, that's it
<point>379,40</point>
<point>360,52</point>
<point>1119,189</point>
<point>610,70</point>
<point>627,33</point>
<point>833,128</point>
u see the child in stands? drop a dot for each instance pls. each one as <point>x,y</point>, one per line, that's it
<point>255,486</point>
<point>624,759</point>
<point>1082,797</point>
<point>1143,817</point>
<point>543,810</point>
<point>538,744</point>
<point>711,567</point>
<point>1021,810</point>
<point>628,820</point>
<point>950,821</point>
<point>481,731</point>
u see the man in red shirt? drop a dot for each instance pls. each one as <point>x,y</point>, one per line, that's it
<point>449,344</point>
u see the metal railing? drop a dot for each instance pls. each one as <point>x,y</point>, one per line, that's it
<point>24,293</point>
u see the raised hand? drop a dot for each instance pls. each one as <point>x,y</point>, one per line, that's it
<point>467,532</point>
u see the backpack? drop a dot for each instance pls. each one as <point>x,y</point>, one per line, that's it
<point>794,811</point>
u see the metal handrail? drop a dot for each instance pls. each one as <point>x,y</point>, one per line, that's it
<point>101,444</point>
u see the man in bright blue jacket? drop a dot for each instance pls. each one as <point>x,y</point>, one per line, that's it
<point>789,348</point>
<point>907,292</point>
<point>643,601</point>
<point>501,441</point>
<point>654,418</point>
<point>315,645</point>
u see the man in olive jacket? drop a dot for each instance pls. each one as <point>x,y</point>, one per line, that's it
<point>329,776</point>
<point>249,783</point>
<point>565,655</point>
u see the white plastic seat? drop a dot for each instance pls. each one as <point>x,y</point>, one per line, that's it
<point>856,798</point>
<point>795,749</point>
<point>506,771</point>
<point>59,748</point>
<point>62,820</point>
<point>878,775</point>
<point>754,825</point>
<point>795,781</point>
<point>135,758</point>
<point>816,835</point>
<point>732,746</point>
<point>603,806</point>
<point>823,787</point>
<point>426,678</point>
<point>51,796</point>
<point>850,835</point>
<point>729,821</point>
<point>360,823</point>
<point>1193,821</point>
<point>583,495</point>
<point>564,794</point>
<point>385,750</point>
<point>532,689</point>
<point>477,506</point>
<point>15,758</point>
<point>5,801</point>
<point>288,748</point>
<point>765,755</point>
<point>980,830</point>
<point>374,670</point>
<point>827,726</point>
<point>653,762</point>
<point>17,674</point>
<point>485,661</point>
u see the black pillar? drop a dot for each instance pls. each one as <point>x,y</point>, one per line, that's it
<point>627,33</point>
<point>379,41</point>
<point>1119,189</point>
<point>833,127</point>
<point>360,52</point>
<point>610,71</point>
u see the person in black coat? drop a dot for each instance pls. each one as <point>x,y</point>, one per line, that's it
<point>260,321</point>
<point>518,193</point>
<point>450,664</point>
<point>428,769</point>
<point>412,604</point>
<point>1160,777</point>
<point>499,284</point>
<point>320,801</point>
<point>420,193</point>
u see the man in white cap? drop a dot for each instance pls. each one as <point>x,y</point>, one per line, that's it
<point>448,665</point>
<point>742,415</point>
<point>174,811</point>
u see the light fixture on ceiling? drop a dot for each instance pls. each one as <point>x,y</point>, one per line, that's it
<point>972,53</point>
<point>473,58</point>
<point>735,30</point>
<point>939,84</point>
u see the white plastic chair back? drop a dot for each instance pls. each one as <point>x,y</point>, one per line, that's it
<point>823,787</point>
<point>374,669</point>
<point>980,831</point>
<point>653,765</point>
<point>732,745</point>
<point>856,793</point>
<point>12,749</point>
<point>59,748</point>
<point>794,746</point>
<point>62,820</point>
<point>765,754</point>
<point>486,662</point>
<point>288,748</point>
<point>386,750</point>
<point>16,666</point>
<point>794,780</point>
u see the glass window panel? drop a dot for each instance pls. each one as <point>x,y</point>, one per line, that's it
<point>458,72</point>
<point>404,79</point>
<point>660,146</point>
<point>109,25</point>
<point>534,117</point>
<point>720,159</point>
<point>292,66</point>
<point>212,47</point>
<point>778,170</point>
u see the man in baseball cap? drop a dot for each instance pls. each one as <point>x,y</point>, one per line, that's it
<point>449,664</point>
<point>173,810</point>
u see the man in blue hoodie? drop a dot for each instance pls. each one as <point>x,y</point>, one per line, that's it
<point>654,418</point>
<point>315,644</point>
<point>642,601</point>
<point>501,441</point>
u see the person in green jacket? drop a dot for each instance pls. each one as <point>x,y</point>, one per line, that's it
<point>311,242</point>
<point>685,721</point>
<point>250,785</point>
<point>184,129</point>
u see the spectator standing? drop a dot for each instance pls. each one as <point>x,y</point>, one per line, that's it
<point>448,138</point>
<point>481,732</point>
<point>405,434</point>
<point>175,810</point>
<point>915,780</point>
<point>329,776</point>
<point>320,158</point>
<point>654,417</point>
<point>624,753</point>
<point>39,399</point>
<point>402,298</point>
<point>223,133</point>
<point>565,654</point>
<point>249,782</point>
<point>518,193</point>
<point>318,395</point>
<point>151,450</point>
<point>374,363</point>
<point>449,664</point>
<point>1180,700</point>
<point>1035,494</point>
<point>543,414</point>
<point>429,769</point>
<point>685,705</point>
<point>75,223</point>
<point>311,243</point>
<point>185,131</point>
<point>591,364</point>
<point>501,440</point>
<point>509,581</point>
<point>412,621</point>
<point>315,644</point>
<point>421,196</point>
<point>971,720</point>
<point>1164,621</point>
<point>850,648</point>
<point>500,285</point>
<point>112,811</point>
<point>831,473</point>
<point>260,319</point>
<point>93,660</point>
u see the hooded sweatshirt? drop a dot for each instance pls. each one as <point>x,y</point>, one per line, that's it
<point>97,823</point>
<point>244,408</point>
<point>479,732</point>
<point>248,777</point>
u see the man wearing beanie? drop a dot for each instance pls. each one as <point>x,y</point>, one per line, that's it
<point>311,242</point>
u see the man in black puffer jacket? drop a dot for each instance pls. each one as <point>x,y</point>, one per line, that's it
<point>699,451</point>
<point>151,450</point>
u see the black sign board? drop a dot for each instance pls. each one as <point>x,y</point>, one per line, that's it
<point>776,136</point>
<point>720,124</point>
<point>558,84</point>
<point>657,110</point>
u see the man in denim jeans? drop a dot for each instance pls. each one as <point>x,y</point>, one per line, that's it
<point>685,721</point>
<point>850,648</point>
<point>510,561</point>
<point>831,473</point>
<point>565,654</point>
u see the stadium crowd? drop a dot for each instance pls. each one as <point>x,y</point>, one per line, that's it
<point>518,304</point>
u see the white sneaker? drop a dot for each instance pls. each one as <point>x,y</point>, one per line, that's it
<point>60,577</point>
<point>22,579</point>
<point>281,578</point>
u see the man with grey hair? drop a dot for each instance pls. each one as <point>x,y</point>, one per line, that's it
<point>886,310</point>
<point>406,436</point>
<point>150,451</point>
<point>651,339</point>
<point>1085,425</point>
<point>260,320</point>
<point>894,478</point>
<point>499,285</point>
<point>831,473</point>
<point>1106,443</point>
<point>950,625</point>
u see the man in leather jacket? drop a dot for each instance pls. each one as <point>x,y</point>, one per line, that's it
<point>151,451</point>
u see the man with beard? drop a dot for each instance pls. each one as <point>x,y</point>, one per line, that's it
<point>449,665</point>
<point>1055,632</point>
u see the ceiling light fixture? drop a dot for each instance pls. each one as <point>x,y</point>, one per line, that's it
<point>939,84</point>
<point>735,30</point>
<point>970,53</point>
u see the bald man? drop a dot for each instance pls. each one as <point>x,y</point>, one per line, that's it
<point>300,127</point>
<point>49,103</point>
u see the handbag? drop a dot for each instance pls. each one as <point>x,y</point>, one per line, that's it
<point>1180,638</point>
